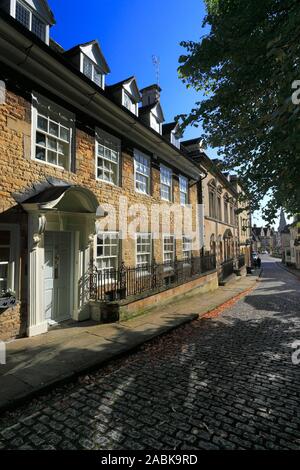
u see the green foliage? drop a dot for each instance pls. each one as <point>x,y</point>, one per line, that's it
<point>245,68</point>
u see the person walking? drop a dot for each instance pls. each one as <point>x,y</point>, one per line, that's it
<point>258,262</point>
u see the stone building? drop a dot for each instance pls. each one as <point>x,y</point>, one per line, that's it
<point>263,239</point>
<point>79,162</point>
<point>102,210</point>
<point>226,219</point>
<point>290,236</point>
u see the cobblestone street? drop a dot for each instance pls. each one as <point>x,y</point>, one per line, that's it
<point>226,382</point>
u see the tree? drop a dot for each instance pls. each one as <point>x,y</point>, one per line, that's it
<point>246,67</point>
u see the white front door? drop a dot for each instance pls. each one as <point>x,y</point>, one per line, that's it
<point>57,276</point>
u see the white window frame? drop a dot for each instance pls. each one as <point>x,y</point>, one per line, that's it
<point>110,234</point>
<point>13,264</point>
<point>31,15</point>
<point>56,115</point>
<point>95,70</point>
<point>165,252</point>
<point>175,140</point>
<point>187,249</point>
<point>181,192</point>
<point>155,123</point>
<point>143,253</point>
<point>112,144</point>
<point>134,106</point>
<point>166,172</point>
<point>138,157</point>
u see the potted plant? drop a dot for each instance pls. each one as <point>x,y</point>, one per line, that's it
<point>7,299</point>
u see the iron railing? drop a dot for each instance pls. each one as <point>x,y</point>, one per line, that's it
<point>227,268</point>
<point>117,284</point>
<point>241,261</point>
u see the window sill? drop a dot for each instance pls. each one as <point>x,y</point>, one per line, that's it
<point>107,182</point>
<point>141,192</point>
<point>36,160</point>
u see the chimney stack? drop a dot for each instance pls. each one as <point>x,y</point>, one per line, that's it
<point>150,95</point>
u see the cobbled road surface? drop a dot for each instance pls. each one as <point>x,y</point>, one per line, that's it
<point>221,383</point>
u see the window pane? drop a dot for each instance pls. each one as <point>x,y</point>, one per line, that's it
<point>53,128</point>
<point>38,27</point>
<point>64,133</point>
<point>40,139</point>
<point>57,151</point>
<point>98,78</point>
<point>107,251</point>
<point>4,238</point>
<point>22,15</point>
<point>108,151</point>
<point>3,286</point>
<point>40,154</point>
<point>42,123</point>
<point>4,254</point>
<point>88,67</point>
<point>52,157</point>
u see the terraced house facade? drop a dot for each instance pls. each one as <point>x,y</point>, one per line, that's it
<point>227,216</point>
<point>100,205</point>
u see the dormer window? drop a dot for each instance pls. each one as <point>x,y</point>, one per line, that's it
<point>175,140</point>
<point>155,124</point>
<point>89,59</point>
<point>129,103</point>
<point>91,71</point>
<point>30,20</point>
<point>126,93</point>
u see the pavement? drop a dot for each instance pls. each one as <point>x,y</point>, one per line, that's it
<point>290,269</point>
<point>224,382</point>
<point>38,364</point>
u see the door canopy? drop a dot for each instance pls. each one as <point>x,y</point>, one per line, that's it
<point>75,199</point>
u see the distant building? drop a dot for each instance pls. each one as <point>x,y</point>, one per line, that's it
<point>263,239</point>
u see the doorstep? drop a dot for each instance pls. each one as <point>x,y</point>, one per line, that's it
<point>38,364</point>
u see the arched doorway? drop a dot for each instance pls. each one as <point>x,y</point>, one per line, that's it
<point>228,244</point>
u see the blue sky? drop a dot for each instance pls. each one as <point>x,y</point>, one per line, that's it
<point>130,32</point>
